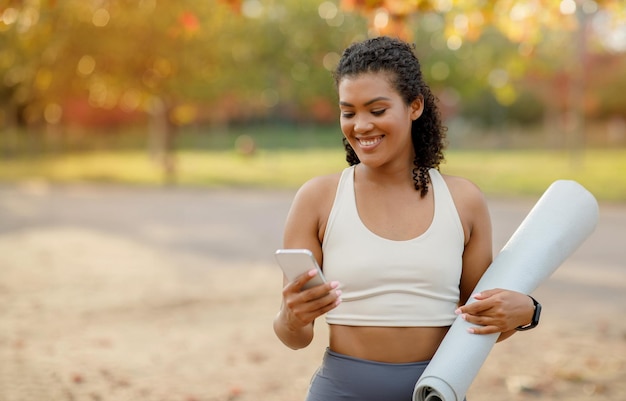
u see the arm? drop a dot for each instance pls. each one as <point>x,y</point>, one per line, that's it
<point>496,310</point>
<point>293,324</point>
<point>499,311</point>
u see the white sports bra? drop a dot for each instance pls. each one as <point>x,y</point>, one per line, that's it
<point>393,283</point>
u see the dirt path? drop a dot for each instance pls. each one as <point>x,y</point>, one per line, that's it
<point>110,293</point>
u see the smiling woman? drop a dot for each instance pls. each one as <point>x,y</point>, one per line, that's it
<point>403,86</point>
<point>401,245</point>
<point>375,120</point>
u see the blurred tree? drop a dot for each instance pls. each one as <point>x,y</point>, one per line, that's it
<point>128,56</point>
<point>553,45</point>
<point>282,50</point>
<point>177,63</point>
<point>171,64</point>
<point>144,57</point>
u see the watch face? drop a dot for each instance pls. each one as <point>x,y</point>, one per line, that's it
<point>537,314</point>
<point>535,319</point>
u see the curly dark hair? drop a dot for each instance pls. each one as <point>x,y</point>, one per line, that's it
<point>398,59</point>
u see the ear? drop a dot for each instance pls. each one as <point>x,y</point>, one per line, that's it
<point>417,108</point>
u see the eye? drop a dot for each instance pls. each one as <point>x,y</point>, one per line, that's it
<point>347,114</point>
<point>379,112</point>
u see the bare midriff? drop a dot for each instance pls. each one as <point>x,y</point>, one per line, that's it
<point>387,344</point>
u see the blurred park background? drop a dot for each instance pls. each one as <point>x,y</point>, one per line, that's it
<point>239,92</point>
<point>209,114</point>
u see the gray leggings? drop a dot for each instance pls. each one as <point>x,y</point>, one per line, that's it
<point>343,377</point>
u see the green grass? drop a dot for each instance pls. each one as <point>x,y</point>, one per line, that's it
<point>530,172</point>
<point>498,173</point>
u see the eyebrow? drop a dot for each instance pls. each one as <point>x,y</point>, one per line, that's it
<point>369,102</point>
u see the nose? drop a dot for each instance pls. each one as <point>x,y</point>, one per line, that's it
<point>362,123</point>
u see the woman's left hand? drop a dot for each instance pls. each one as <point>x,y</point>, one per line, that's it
<point>497,311</point>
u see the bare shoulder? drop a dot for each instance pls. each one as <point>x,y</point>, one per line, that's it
<point>464,192</point>
<point>307,218</point>
<point>319,190</point>
<point>469,200</point>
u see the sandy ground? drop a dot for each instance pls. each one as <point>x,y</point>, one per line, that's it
<point>111,293</point>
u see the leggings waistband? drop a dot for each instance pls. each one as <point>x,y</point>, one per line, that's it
<point>347,378</point>
<point>333,354</point>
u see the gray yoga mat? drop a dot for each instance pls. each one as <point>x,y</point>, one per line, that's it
<point>561,220</point>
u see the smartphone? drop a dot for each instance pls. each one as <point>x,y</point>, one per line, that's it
<point>295,262</point>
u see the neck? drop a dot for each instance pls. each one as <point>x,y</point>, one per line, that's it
<point>387,176</point>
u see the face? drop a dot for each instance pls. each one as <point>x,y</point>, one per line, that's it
<point>375,119</point>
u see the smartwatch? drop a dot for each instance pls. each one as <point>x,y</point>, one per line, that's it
<point>535,320</point>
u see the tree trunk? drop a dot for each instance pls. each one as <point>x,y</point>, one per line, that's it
<point>162,140</point>
<point>577,92</point>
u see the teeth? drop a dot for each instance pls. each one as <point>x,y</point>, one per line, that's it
<point>369,142</point>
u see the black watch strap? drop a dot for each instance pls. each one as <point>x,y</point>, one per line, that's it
<point>535,320</point>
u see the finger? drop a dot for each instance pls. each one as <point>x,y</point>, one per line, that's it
<point>327,302</point>
<point>486,294</point>
<point>331,306</point>
<point>475,308</point>
<point>490,300</point>
<point>320,291</point>
<point>313,298</point>
<point>300,281</point>
<point>497,319</point>
<point>483,330</point>
<point>307,311</point>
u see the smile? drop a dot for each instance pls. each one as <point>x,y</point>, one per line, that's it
<point>370,141</point>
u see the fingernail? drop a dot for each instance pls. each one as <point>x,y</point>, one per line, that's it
<point>312,272</point>
<point>476,295</point>
<point>334,284</point>
<point>464,316</point>
<point>337,301</point>
<point>471,331</point>
<point>338,292</point>
<point>458,311</point>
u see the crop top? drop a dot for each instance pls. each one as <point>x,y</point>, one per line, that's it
<point>412,283</point>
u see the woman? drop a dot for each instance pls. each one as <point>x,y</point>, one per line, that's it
<point>401,245</point>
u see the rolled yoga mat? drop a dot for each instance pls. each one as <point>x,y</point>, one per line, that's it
<point>564,216</point>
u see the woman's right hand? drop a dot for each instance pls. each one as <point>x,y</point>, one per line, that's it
<point>302,307</point>
<point>294,323</point>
